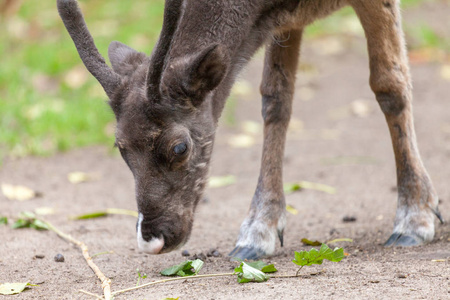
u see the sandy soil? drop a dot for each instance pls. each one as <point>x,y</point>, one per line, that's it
<point>325,132</point>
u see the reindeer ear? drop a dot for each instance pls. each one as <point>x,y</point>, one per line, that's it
<point>124,59</point>
<point>206,71</point>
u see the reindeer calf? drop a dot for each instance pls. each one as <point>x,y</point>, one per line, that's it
<point>167,107</point>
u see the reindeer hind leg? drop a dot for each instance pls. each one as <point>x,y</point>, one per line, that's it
<point>390,81</point>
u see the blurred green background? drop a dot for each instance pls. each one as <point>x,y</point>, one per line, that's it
<point>50,103</point>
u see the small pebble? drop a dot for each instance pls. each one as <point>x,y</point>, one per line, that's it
<point>349,219</point>
<point>200,256</point>
<point>401,276</point>
<point>59,258</point>
<point>185,253</point>
<point>39,256</point>
<point>214,253</point>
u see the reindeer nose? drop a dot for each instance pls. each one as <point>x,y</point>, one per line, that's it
<point>152,246</point>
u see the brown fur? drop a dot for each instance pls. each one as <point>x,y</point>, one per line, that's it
<point>173,101</point>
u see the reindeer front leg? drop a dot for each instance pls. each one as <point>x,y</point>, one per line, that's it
<point>266,217</point>
<point>390,80</point>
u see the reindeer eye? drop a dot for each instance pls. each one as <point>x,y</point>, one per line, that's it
<point>180,149</point>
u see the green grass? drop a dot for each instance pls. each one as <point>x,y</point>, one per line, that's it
<point>40,113</point>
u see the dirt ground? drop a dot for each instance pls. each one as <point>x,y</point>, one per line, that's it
<point>327,144</point>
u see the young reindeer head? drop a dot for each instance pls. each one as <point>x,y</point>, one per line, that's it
<point>165,127</point>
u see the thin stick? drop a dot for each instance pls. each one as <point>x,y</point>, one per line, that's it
<point>106,282</point>
<point>90,294</point>
<point>284,276</point>
<point>190,277</point>
<point>170,279</point>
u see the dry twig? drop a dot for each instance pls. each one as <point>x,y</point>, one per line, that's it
<point>106,282</point>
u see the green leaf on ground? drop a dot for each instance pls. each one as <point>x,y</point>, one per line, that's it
<point>307,242</point>
<point>291,209</point>
<point>3,221</point>
<point>28,220</point>
<point>269,269</point>
<point>289,188</point>
<point>93,215</point>
<point>186,268</point>
<point>13,288</point>
<point>246,273</point>
<point>262,266</point>
<point>308,258</point>
<point>108,211</point>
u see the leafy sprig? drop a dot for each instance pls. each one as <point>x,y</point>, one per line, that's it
<point>308,258</point>
<point>186,268</point>
<point>29,220</point>
<point>253,271</point>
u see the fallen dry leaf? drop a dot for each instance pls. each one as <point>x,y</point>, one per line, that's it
<point>251,127</point>
<point>79,177</point>
<point>18,192</point>
<point>44,211</point>
<point>340,240</point>
<point>13,288</point>
<point>242,88</point>
<point>241,141</point>
<point>438,260</point>
<point>445,72</point>
<point>220,181</point>
<point>360,108</point>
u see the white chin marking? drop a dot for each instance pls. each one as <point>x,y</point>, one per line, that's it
<point>153,246</point>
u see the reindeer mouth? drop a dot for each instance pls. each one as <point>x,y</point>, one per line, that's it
<point>156,243</point>
<point>152,246</point>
